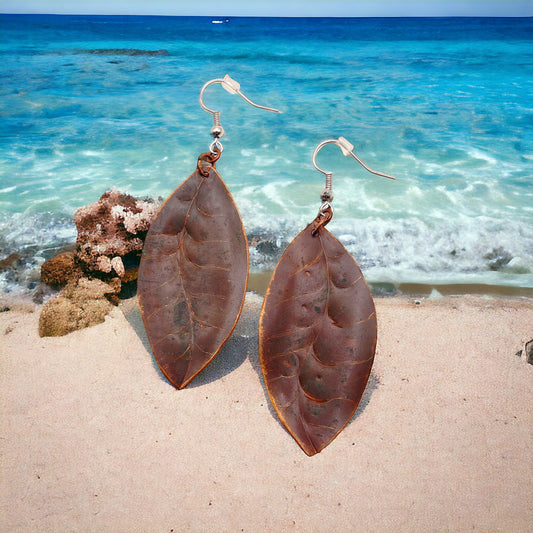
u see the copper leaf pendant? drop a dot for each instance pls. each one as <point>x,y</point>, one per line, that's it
<point>317,337</point>
<point>193,275</point>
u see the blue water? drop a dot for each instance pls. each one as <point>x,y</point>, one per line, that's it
<point>445,105</point>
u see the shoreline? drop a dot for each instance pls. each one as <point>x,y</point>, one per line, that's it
<point>258,283</point>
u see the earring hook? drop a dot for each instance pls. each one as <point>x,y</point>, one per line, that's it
<point>347,150</point>
<point>232,87</point>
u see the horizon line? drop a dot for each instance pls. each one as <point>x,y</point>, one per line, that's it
<point>220,16</point>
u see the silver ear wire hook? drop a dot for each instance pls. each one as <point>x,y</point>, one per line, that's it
<point>347,150</point>
<point>232,87</point>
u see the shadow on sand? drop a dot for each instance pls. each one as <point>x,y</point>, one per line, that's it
<point>243,344</point>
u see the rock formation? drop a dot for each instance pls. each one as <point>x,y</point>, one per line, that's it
<point>111,234</point>
<point>82,303</point>
<point>110,229</point>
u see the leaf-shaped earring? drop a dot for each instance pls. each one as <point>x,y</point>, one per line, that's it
<point>194,267</point>
<point>317,330</point>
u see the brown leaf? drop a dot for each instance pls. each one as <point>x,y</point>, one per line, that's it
<point>317,337</point>
<point>192,277</point>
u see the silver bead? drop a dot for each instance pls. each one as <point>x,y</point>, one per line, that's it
<point>327,195</point>
<point>217,131</point>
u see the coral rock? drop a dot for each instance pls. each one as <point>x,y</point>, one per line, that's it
<point>58,270</point>
<point>103,264</point>
<point>81,304</point>
<point>111,234</point>
<point>111,228</point>
<point>118,266</point>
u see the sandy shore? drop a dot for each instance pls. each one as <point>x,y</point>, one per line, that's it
<point>93,439</point>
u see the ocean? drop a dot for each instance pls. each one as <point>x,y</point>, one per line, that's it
<point>443,104</point>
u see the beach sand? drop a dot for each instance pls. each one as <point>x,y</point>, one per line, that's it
<point>94,439</point>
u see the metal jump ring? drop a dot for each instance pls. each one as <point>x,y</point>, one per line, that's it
<point>210,158</point>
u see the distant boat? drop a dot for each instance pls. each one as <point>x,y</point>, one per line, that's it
<point>219,21</point>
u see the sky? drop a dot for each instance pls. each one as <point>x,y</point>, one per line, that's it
<point>277,8</point>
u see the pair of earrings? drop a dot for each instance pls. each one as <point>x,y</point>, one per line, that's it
<point>317,330</point>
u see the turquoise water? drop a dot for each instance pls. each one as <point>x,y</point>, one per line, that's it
<point>445,105</point>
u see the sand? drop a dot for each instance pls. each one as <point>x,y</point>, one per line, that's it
<point>93,438</point>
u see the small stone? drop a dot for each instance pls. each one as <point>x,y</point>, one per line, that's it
<point>268,248</point>
<point>498,258</point>
<point>118,266</point>
<point>11,261</point>
<point>103,264</point>
<point>529,352</point>
<point>59,270</point>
